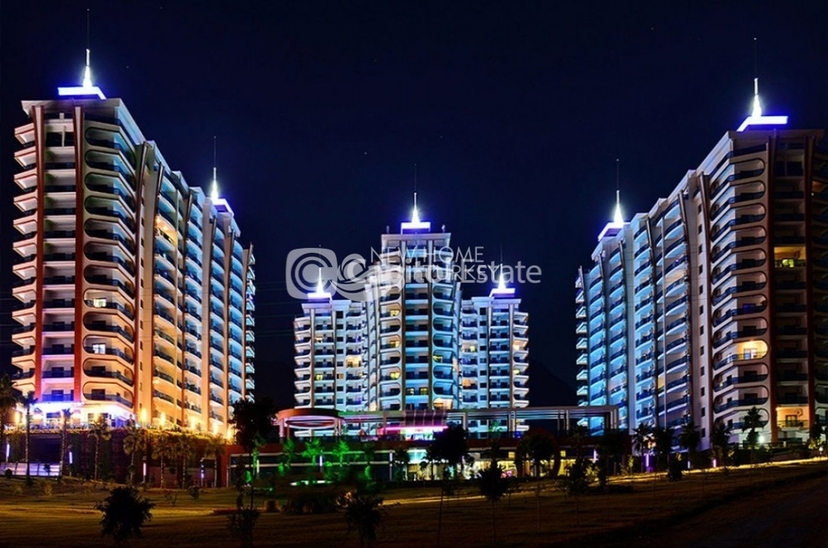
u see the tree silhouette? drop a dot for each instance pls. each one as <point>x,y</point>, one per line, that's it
<point>253,421</point>
<point>164,450</point>
<point>690,438</point>
<point>363,512</point>
<point>8,401</point>
<point>135,444</point>
<point>28,402</point>
<point>123,514</point>
<point>663,444</point>
<point>610,451</point>
<point>451,446</point>
<point>214,450</point>
<point>100,431</point>
<point>493,486</point>
<point>642,440</point>
<point>66,416</point>
<point>752,421</point>
<point>538,446</point>
<point>401,461</point>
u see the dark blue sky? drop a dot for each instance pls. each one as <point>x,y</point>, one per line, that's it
<point>513,111</point>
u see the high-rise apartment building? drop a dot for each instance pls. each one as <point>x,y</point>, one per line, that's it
<point>716,300</point>
<point>412,343</point>
<point>135,298</point>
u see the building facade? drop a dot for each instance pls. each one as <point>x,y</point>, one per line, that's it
<point>135,292</point>
<point>716,300</point>
<point>412,343</point>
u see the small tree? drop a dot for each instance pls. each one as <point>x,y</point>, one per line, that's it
<point>214,450</point>
<point>29,401</point>
<point>537,446</point>
<point>123,514</point>
<point>663,444</point>
<point>720,442</point>
<point>401,461</point>
<point>610,452</point>
<point>253,421</point>
<point>815,436</point>
<point>164,450</point>
<point>752,421</point>
<point>100,431</point>
<point>135,445</point>
<point>8,401</point>
<point>66,416</point>
<point>576,482</point>
<point>363,512</point>
<point>642,440</point>
<point>493,486</point>
<point>689,439</point>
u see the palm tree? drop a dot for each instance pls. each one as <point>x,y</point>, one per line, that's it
<point>401,461</point>
<point>253,421</point>
<point>752,421</point>
<point>663,440</point>
<point>28,402</point>
<point>66,416</point>
<point>642,440</point>
<point>689,439</point>
<point>312,451</point>
<point>720,440</point>
<point>214,450</point>
<point>100,431</point>
<point>135,444</point>
<point>185,450</point>
<point>8,401</point>
<point>163,449</point>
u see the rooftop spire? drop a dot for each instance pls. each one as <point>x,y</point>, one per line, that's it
<point>86,88</point>
<point>502,290</point>
<point>756,117</point>
<point>757,106</point>
<point>416,224</point>
<point>618,218</point>
<point>415,215</point>
<point>214,194</point>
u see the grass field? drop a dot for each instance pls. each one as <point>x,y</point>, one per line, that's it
<point>68,518</point>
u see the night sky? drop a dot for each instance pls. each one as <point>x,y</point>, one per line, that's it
<point>513,112</point>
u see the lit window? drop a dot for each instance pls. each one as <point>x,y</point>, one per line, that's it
<point>99,303</point>
<point>99,348</point>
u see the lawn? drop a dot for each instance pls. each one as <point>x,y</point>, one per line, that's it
<point>68,518</point>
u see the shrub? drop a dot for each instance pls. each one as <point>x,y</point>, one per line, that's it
<point>194,491</point>
<point>311,503</point>
<point>363,512</point>
<point>124,512</point>
<point>8,473</point>
<point>675,469</point>
<point>241,523</point>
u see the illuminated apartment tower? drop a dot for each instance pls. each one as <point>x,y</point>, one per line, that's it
<point>399,349</point>
<point>493,355</point>
<point>135,293</point>
<point>329,353</point>
<point>417,316</point>
<point>726,291</point>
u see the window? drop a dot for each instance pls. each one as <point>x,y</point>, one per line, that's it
<point>702,390</point>
<point>424,391</point>
<point>99,303</point>
<point>703,411</point>
<point>99,348</point>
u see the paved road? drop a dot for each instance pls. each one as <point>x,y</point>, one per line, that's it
<point>787,517</point>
